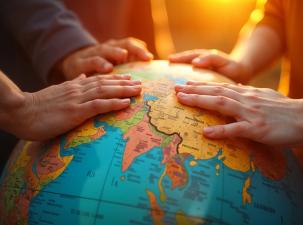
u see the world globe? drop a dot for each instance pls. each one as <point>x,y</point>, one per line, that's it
<point>151,164</point>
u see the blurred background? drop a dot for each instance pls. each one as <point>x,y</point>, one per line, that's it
<point>169,26</point>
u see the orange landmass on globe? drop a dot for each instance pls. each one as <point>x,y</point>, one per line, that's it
<point>48,164</point>
<point>33,154</point>
<point>176,172</point>
<point>246,196</point>
<point>139,140</point>
<point>156,212</point>
<point>130,111</point>
<point>51,165</point>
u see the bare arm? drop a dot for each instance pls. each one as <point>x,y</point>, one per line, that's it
<point>258,50</point>
<point>252,54</point>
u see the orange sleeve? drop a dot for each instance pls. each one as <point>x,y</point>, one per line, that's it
<point>274,17</point>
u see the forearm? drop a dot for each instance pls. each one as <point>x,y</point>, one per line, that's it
<point>11,98</point>
<point>258,50</point>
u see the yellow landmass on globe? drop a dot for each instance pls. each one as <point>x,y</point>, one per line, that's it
<point>170,117</point>
<point>183,219</point>
<point>85,133</point>
<point>246,197</point>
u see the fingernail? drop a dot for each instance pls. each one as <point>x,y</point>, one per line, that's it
<point>125,76</point>
<point>198,61</point>
<point>182,96</point>
<point>126,101</point>
<point>137,87</point>
<point>149,55</point>
<point>136,82</point>
<point>190,82</point>
<point>179,87</point>
<point>208,130</point>
<point>123,51</point>
<point>107,66</point>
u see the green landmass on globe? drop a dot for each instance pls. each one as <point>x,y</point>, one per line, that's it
<point>150,164</point>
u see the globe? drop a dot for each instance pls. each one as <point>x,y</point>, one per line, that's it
<point>151,164</point>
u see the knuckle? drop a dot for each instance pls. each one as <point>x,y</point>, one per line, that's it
<point>227,85</point>
<point>195,98</point>
<point>101,82</point>
<point>261,127</point>
<point>72,89</point>
<point>100,89</point>
<point>131,40</point>
<point>99,78</point>
<point>252,97</point>
<point>97,60</point>
<point>220,100</point>
<point>260,122</point>
<point>95,105</point>
<point>253,109</point>
<point>219,90</point>
<point>124,91</point>
<point>111,41</point>
<point>101,47</point>
<point>123,82</point>
<point>71,108</point>
<point>239,128</point>
<point>257,91</point>
<point>193,88</point>
<point>220,130</point>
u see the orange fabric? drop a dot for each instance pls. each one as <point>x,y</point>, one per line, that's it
<point>285,17</point>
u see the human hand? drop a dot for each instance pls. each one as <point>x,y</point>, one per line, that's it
<point>214,60</point>
<point>260,114</point>
<point>59,108</point>
<point>102,57</point>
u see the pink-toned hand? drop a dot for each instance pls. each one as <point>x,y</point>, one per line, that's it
<point>216,61</point>
<point>102,57</point>
<point>260,114</point>
<point>54,110</point>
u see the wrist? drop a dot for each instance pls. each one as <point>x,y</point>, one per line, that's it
<point>11,105</point>
<point>246,70</point>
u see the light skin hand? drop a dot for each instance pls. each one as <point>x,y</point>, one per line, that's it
<point>57,109</point>
<point>253,53</point>
<point>216,61</point>
<point>102,57</point>
<point>260,114</point>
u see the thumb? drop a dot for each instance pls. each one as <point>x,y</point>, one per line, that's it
<point>95,64</point>
<point>210,61</point>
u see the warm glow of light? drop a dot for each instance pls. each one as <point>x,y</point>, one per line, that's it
<point>284,78</point>
<point>163,40</point>
<point>256,15</point>
<point>223,2</point>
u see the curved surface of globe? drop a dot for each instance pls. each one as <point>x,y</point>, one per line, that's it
<point>150,164</point>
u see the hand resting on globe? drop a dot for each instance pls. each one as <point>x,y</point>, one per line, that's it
<point>260,114</point>
<point>57,109</point>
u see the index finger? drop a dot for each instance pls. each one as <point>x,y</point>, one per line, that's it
<point>105,77</point>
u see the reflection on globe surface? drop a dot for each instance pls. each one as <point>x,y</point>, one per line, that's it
<point>150,164</point>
